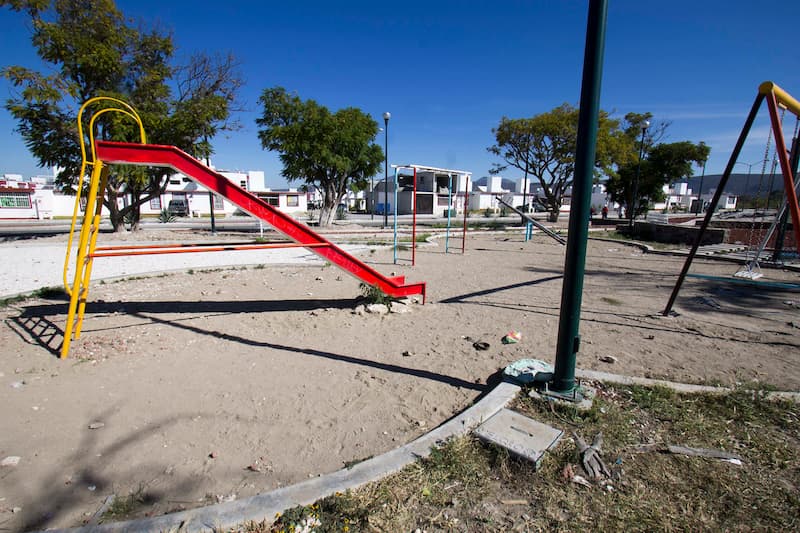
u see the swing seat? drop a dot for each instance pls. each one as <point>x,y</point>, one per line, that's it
<point>749,271</point>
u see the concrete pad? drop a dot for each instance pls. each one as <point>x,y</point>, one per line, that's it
<point>520,435</point>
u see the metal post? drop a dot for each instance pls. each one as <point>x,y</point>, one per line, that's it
<point>714,201</point>
<point>700,191</point>
<point>563,381</point>
<point>414,222</point>
<point>210,193</point>
<point>466,212</point>
<point>783,159</point>
<point>386,117</point>
<point>634,200</point>
<point>449,207</point>
<point>395,216</point>
<point>525,206</point>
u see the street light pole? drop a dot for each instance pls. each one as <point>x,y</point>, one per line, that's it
<point>700,190</point>
<point>386,117</point>
<point>632,214</point>
<point>210,193</point>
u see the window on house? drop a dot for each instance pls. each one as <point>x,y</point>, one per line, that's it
<point>243,184</point>
<point>15,200</point>
<point>155,203</point>
<point>83,204</point>
<point>218,204</point>
<point>292,201</point>
<point>272,200</point>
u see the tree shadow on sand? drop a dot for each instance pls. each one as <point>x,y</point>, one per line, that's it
<point>78,481</point>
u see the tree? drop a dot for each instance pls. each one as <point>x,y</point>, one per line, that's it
<point>332,152</point>
<point>661,164</point>
<point>544,147</point>
<point>95,52</point>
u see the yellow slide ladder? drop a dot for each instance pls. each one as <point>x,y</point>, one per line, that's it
<point>78,289</point>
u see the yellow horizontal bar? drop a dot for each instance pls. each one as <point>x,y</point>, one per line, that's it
<point>782,96</point>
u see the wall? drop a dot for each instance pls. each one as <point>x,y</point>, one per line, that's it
<point>752,234</point>
<point>673,234</point>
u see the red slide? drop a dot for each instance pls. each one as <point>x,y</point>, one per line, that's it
<point>170,156</point>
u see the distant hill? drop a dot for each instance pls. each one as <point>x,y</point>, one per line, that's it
<point>739,184</point>
<point>507,184</point>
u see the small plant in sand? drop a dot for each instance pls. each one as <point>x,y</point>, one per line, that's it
<point>374,295</point>
<point>165,216</point>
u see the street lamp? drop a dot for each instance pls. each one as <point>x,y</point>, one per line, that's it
<point>372,192</point>
<point>700,190</point>
<point>386,117</point>
<point>632,214</point>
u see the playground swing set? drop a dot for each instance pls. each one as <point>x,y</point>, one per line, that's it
<point>104,153</point>
<point>778,102</point>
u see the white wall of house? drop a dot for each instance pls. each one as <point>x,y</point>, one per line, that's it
<point>45,202</point>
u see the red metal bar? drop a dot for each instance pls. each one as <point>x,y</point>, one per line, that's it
<point>181,245</point>
<point>414,222</point>
<point>786,167</point>
<point>207,249</point>
<point>170,156</point>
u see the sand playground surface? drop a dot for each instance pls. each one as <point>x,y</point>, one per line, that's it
<point>201,386</point>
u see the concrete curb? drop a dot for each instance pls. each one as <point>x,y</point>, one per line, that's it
<point>678,387</point>
<point>267,505</point>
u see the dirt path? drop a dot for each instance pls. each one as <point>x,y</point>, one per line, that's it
<point>221,384</point>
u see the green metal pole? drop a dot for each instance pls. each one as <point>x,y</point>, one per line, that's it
<point>563,381</point>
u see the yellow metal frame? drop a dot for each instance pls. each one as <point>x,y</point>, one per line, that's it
<point>78,290</point>
<point>783,98</point>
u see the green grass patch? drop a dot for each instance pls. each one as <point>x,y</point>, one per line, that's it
<point>124,507</point>
<point>50,293</point>
<point>465,485</point>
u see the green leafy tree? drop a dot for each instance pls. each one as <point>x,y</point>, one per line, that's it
<point>95,52</point>
<point>332,152</point>
<point>543,147</point>
<point>661,164</point>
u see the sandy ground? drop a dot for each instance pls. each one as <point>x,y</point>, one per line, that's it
<point>213,385</point>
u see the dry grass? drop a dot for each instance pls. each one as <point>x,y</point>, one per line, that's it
<point>466,486</point>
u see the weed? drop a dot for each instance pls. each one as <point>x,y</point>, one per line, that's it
<point>165,216</point>
<point>124,507</point>
<point>612,301</point>
<point>374,295</point>
<point>496,225</point>
<point>45,292</point>
<point>190,271</point>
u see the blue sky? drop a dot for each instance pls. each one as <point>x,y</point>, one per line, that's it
<point>449,70</point>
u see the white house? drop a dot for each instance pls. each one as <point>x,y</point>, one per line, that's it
<point>438,189</point>
<point>679,196</point>
<point>37,198</point>
<point>25,199</point>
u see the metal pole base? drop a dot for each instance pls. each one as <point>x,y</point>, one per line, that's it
<point>581,396</point>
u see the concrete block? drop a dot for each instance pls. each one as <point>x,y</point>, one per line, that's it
<point>519,434</point>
